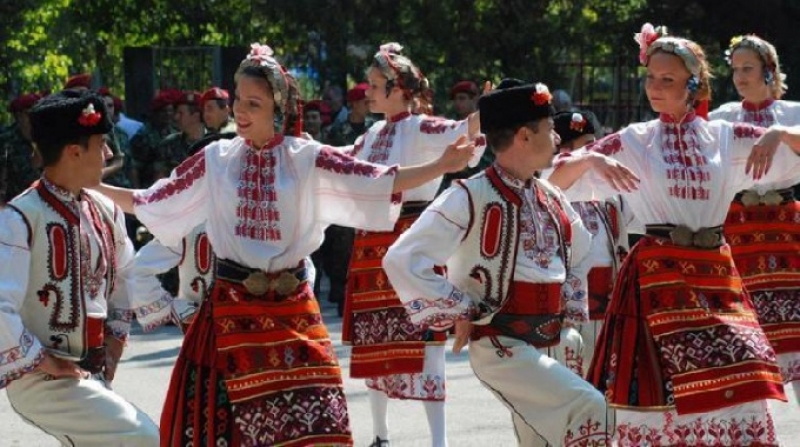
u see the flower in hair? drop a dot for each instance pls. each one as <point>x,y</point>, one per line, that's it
<point>260,52</point>
<point>541,95</point>
<point>391,47</point>
<point>645,38</point>
<point>577,123</point>
<point>89,116</point>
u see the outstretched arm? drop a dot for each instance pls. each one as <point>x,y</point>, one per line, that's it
<point>454,159</point>
<point>761,157</point>
<point>573,166</point>
<point>123,197</point>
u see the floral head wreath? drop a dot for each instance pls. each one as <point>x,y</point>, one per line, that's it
<point>261,56</point>
<point>398,69</point>
<point>754,43</point>
<point>651,39</point>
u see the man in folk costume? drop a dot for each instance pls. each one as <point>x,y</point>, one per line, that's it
<point>508,240</point>
<point>65,264</point>
<point>607,221</point>
<point>763,224</point>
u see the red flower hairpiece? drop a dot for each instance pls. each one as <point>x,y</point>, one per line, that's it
<point>89,117</point>
<point>541,95</point>
<point>577,123</point>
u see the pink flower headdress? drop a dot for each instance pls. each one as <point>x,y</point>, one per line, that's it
<point>262,56</point>
<point>652,38</point>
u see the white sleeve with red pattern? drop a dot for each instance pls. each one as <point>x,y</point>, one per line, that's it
<point>20,350</point>
<point>354,193</point>
<point>173,206</point>
<point>429,298</point>
<point>785,169</point>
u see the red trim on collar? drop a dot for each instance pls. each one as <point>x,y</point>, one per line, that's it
<point>749,106</point>
<point>400,116</point>
<point>57,204</point>
<point>501,186</point>
<point>688,118</point>
<point>275,141</point>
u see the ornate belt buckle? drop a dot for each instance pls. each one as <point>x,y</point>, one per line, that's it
<point>681,235</point>
<point>772,198</point>
<point>284,284</point>
<point>707,238</point>
<point>750,198</point>
<point>257,283</point>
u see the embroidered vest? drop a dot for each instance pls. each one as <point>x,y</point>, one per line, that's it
<point>196,269</point>
<point>54,309</point>
<point>493,233</point>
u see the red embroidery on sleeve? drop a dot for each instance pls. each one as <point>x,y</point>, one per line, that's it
<point>334,161</point>
<point>743,130</point>
<point>186,174</point>
<point>608,145</point>
<point>432,125</point>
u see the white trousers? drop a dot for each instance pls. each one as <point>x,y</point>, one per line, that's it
<point>81,413</point>
<point>550,405</point>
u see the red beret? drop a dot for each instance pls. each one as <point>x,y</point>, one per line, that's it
<point>117,103</point>
<point>164,98</point>
<point>190,97</point>
<point>467,87</point>
<point>23,102</point>
<point>104,91</point>
<point>214,93</point>
<point>79,80</point>
<point>358,92</point>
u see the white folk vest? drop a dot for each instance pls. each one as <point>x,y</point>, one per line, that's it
<point>493,233</point>
<point>196,269</point>
<point>54,309</point>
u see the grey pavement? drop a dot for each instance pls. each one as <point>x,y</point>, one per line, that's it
<point>474,417</point>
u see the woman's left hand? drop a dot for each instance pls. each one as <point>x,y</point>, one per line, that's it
<point>760,159</point>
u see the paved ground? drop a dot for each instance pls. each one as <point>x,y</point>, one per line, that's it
<point>475,418</point>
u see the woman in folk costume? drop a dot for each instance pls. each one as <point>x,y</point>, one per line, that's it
<point>763,225</point>
<point>397,360</point>
<point>593,278</point>
<point>681,353</point>
<point>257,367</point>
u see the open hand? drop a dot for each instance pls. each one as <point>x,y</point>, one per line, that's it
<point>760,159</point>
<point>615,173</point>
<point>457,155</point>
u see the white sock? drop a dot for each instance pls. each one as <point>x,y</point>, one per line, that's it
<point>437,422</point>
<point>378,403</point>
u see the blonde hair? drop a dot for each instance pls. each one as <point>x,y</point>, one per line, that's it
<point>769,58</point>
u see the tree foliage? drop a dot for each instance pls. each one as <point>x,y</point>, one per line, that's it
<point>550,40</point>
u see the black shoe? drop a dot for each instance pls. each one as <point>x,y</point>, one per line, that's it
<point>378,442</point>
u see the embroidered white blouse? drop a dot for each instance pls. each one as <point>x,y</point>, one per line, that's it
<point>409,140</point>
<point>690,170</point>
<point>268,208</point>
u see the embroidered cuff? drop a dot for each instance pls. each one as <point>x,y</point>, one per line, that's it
<point>21,359</point>
<point>155,314</point>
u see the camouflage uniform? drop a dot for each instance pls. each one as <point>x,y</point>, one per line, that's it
<point>144,152</point>
<point>16,164</point>
<point>343,133</point>
<point>119,144</point>
<point>172,151</point>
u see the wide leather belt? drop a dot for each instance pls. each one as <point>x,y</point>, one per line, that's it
<point>259,282</point>
<point>683,236</point>
<point>773,198</point>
